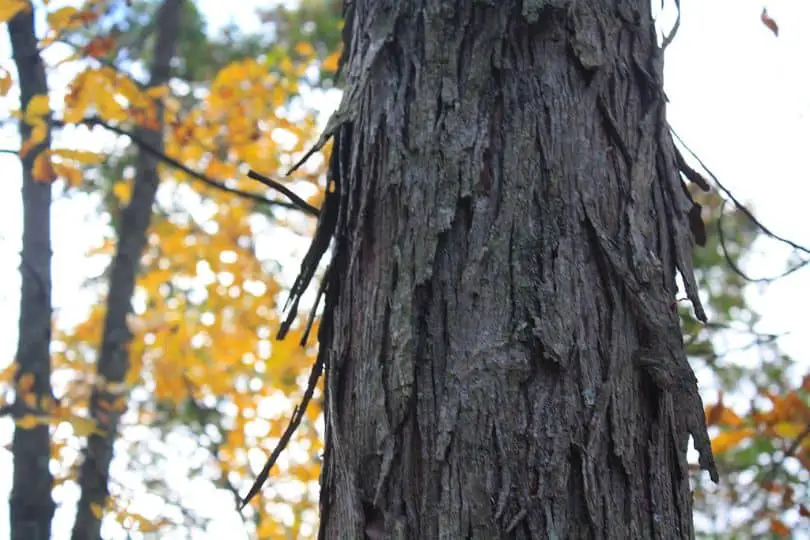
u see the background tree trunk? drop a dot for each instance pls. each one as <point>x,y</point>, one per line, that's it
<point>31,505</point>
<point>503,357</point>
<point>113,362</point>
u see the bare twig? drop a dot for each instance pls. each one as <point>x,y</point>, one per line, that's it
<point>735,267</point>
<point>146,147</point>
<point>269,182</point>
<point>295,421</point>
<point>740,205</point>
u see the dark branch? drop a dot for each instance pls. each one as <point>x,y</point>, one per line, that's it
<point>146,147</point>
<point>295,421</point>
<point>735,267</point>
<point>269,182</point>
<point>740,206</point>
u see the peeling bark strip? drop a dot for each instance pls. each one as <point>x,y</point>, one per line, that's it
<point>31,505</point>
<point>113,362</point>
<point>502,359</point>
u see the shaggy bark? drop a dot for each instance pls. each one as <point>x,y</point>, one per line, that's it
<point>31,506</point>
<point>113,362</point>
<point>502,354</point>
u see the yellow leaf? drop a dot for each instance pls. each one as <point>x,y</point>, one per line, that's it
<point>30,399</point>
<point>71,175</point>
<point>109,108</point>
<point>5,81</point>
<point>83,157</point>
<point>123,191</point>
<point>158,92</point>
<point>8,372</point>
<point>83,427</point>
<point>38,106</point>
<point>789,430</point>
<point>45,403</point>
<point>97,510</point>
<point>727,440</point>
<point>26,382</point>
<point>9,8</point>
<point>63,18</point>
<point>39,131</point>
<point>29,421</point>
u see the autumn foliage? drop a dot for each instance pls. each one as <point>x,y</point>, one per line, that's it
<point>203,356</point>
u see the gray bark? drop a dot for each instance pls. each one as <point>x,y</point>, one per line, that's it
<point>113,360</point>
<point>31,504</point>
<point>502,354</point>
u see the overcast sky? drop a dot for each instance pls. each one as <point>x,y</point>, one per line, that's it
<point>739,97</point>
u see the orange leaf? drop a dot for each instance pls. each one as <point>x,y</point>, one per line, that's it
<point>330,63</point>
<point>99,46</point>
<point>43,169</point>
<point>768,21</point>
<point>779,528</point>
<point>305,49</point>
<point>727,440</point>
<point>5,81</point>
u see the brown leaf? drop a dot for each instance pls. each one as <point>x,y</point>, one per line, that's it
<point>768,21</point>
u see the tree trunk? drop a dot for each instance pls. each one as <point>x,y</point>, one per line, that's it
<point>113,362</point>
<point>31,504</point>
<point>502,351</point>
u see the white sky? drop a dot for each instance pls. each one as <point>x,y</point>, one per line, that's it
<point>739,97</point>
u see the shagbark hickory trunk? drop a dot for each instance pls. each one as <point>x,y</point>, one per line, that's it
<point>502,354</point>
<point>31,505</point>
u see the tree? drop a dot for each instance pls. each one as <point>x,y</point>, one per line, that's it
<point>501,347</point>
<point>113,360</point>
<point>31,504</point>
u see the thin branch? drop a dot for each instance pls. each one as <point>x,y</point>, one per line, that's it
<point>269,182</point>
<point>740,205</point>
<point>672,33</point>
<point>8,151</point>
<point>146,147</point>
<point>736,269</point>
<point>295,420</point>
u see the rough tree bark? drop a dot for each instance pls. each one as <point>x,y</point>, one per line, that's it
<point>31,504</point>
<point>113,361</point>
<point>503,357</point>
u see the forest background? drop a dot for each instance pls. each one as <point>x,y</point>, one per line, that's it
<point>209,388</point>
